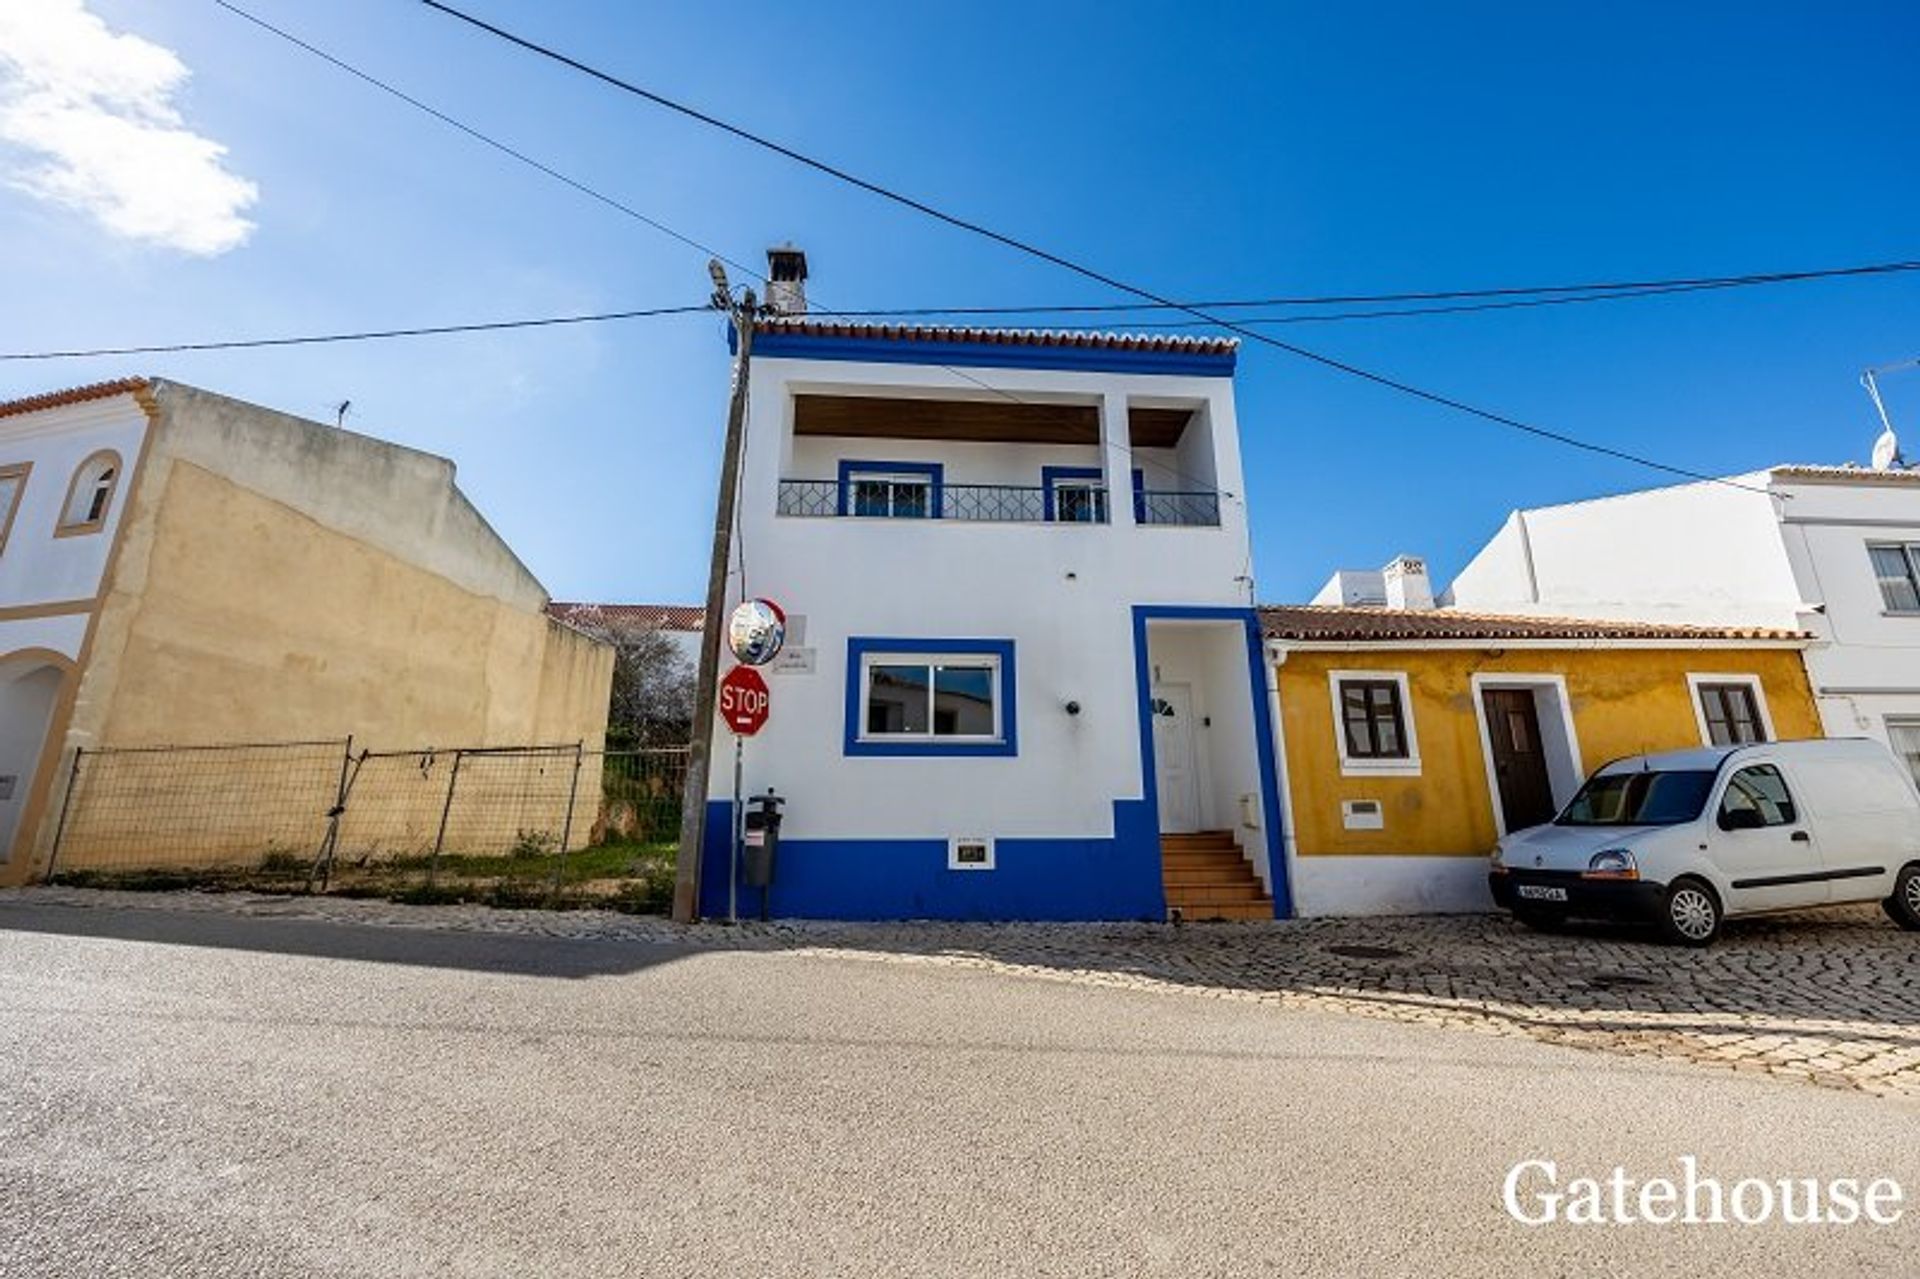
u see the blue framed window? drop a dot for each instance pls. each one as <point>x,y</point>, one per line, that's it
<point>930,697</point>
<point>891,490</point>
<point>1073,494</point>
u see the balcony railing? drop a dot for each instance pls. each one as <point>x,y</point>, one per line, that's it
<point>1195,510</point>
<point>998,504</point>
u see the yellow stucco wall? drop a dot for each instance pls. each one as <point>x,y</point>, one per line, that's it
<point>1625,701</point>
<point>248,621</point>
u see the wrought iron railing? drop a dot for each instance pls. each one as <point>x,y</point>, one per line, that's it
<point>1194,510</point>
<point>1003,504</point>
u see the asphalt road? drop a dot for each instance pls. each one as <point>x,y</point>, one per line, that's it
<point>203,1095</point>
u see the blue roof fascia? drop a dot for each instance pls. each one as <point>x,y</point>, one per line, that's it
<point>1081,359</point>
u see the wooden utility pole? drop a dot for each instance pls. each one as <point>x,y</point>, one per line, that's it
<point>693,813</point>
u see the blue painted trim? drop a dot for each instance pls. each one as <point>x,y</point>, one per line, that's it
<point>858,646</point>
<point>1093,878</point>
<point>1262,727</point>
<point>1050,475</point>
<point>936,473</point>
<point>776,344</point>
<point>1139,496</point>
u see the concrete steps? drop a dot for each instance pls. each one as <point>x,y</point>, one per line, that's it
<point>1207,878</point>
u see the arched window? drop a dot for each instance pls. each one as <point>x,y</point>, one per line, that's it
<point>90,495</point>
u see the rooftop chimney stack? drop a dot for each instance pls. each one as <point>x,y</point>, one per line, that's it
<point>787,280</point>
<point>1407,584</point>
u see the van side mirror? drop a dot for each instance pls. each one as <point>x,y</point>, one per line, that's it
<point>1742,819</point>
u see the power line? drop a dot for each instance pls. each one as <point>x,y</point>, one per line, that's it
<point>1068,264</point>
<point>478,136</point>
<point>367,335</point>
<point>1598,292</point>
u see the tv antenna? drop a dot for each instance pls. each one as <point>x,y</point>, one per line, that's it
<point>1886,449</point>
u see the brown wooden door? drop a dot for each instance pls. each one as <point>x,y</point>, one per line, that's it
<point>1519,762</point>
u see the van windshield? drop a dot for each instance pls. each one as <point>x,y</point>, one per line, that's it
<point>1639,799</point>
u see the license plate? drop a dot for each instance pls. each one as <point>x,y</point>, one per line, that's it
<point>1541,893</point>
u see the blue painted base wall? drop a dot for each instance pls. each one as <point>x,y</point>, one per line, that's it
<point>1033,879</point>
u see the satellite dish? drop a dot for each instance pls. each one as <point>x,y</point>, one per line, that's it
<point>1886,451</point>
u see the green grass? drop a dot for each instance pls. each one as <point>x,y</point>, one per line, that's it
<point>632,877</point>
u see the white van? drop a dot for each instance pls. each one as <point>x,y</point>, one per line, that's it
<point>1685,838</point>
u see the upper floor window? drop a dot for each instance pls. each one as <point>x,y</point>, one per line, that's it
<point>90,495</point>
<point>890,490</point>
<point>13,483</point>
<point>1897,565</point>
<point>1731,711</point>
<point>1074,494</point>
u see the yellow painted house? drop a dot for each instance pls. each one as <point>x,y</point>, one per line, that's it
<point>1412,739</point>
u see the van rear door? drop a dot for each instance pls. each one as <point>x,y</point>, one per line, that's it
<point>1763,843</point>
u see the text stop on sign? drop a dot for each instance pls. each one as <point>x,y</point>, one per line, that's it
<point>744,700</point>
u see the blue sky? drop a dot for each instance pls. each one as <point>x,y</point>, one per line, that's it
<point>1202,150</point>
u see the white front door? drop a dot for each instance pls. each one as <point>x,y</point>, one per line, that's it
<point>1173,759</point>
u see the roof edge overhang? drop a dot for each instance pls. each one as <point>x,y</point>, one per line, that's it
<point>996,348</point>
<point>1536,642</point>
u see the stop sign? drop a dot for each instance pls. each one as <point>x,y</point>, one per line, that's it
<point>743,700</point>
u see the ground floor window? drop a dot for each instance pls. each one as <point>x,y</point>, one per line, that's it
<point>1730,711</point>
<point>923,697</point>
<point>1904,736</point>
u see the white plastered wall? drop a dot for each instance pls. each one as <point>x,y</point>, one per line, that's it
<point>1064,593</point>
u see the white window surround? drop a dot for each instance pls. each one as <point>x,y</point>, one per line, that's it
<point>1565,774</point>
<point>1363,767</point>
<point>1696,678</point>
<point>989,662</point>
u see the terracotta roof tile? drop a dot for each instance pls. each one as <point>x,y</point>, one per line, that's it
<point>1323,622</point>
<point>73,395</point>
<point>1183,343</point>
<point>659,617</point>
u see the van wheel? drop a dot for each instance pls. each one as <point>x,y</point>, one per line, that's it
<point>1691,916</point>
<point>1904,905</point>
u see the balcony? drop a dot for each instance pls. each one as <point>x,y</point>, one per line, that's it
<point>1080,503</point>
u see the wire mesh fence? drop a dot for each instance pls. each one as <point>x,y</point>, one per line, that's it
<point>509,825</point>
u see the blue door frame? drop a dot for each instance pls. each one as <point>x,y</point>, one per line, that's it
<point>1262,727</point>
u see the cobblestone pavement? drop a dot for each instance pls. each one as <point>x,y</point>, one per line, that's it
<point>1831,997</point>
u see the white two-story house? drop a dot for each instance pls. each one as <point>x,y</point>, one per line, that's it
<point>1021,654</point>
<point>1830,550</point>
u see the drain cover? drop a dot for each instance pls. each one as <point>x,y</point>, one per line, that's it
<point>1368,952</point>
<point>1620,979</point>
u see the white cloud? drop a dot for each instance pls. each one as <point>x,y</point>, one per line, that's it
<point>95,110</point>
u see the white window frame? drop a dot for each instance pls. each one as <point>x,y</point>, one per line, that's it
<point>1365,766</point>
<point>990,661</point>
<point>920,479</point>
<point>18,473</point>
<point>1892,722</point>
<point>1696,678</point>
<point>1911,552</point>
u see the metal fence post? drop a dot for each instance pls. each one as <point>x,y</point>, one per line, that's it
<point>66,803</point>
<point>330,842</point>
<point>446,810</point>
<point>566,827</point>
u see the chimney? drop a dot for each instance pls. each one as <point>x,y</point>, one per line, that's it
<point>1407,584</point>
<point>787,280</point>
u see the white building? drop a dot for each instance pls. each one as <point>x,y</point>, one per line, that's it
<point>1017,573</point>
<point>1834,551</point>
